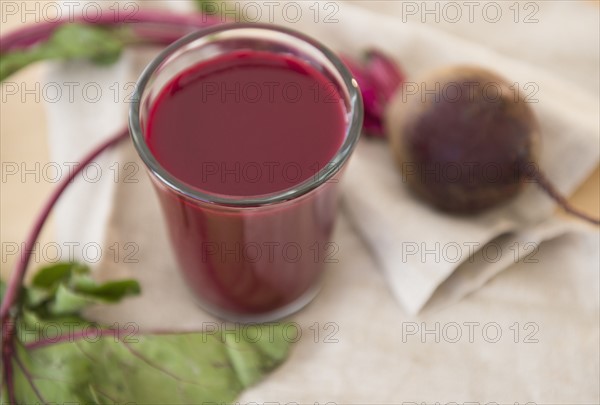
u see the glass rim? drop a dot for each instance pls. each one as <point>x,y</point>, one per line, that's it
<point>352,135</point>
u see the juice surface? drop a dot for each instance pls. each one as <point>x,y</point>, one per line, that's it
<point>246,123</point>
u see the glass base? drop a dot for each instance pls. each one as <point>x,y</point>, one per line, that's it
<point>270,316</point>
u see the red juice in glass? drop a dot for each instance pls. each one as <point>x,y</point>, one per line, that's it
<point>245,130</point>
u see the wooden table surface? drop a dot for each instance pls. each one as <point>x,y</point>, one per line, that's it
<point>23,140</point>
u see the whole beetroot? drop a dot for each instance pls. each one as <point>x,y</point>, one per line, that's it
<point>466,140</point>
<point>463,138</point>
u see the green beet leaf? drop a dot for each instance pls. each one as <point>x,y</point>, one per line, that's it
<point>165,369</point>
<point>67,301</point>
<point>69,41</point>
<point>34,296</point>
<point>67,288</point>
<point>32,328</point>
<point>62,358</point>
<point>49,276</point>
<point>112,291</point>
<point>99,44</point>
<point>2,289</point>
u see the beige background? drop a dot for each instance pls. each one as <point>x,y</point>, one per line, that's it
<point>23,140</point>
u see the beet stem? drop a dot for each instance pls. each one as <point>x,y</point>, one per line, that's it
<point>159,25</point>
<point>19,273</point>
<point>537,176</point>
<point>16,279</point>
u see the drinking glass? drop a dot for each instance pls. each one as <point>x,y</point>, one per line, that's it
<point>253,258</point>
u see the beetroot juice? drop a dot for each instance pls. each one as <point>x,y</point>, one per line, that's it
<point>246,123</point>
<point>245,144</point>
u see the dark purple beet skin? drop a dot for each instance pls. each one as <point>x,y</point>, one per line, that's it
<point>463,138</point>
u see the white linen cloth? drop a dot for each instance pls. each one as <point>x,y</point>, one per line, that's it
<point>552,298</point>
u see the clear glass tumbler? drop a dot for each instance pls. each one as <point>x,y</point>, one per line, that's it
<point>249,258</point>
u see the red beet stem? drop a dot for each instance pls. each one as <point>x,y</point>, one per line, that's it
<point>7,369</point>
<point>378,78</point>
<point>533,173</point>
<point>385,75</point>
<point>18,274</point>
<point>155,26</point>
<point>16,279</point>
